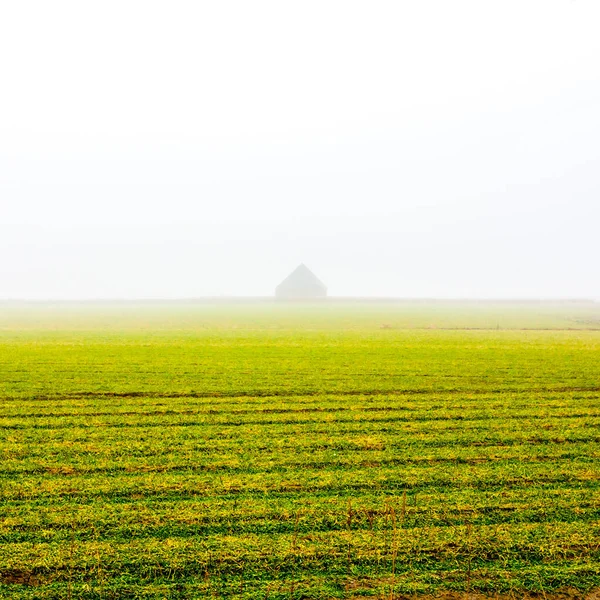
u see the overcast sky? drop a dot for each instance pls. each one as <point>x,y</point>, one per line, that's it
<point>407,148</point>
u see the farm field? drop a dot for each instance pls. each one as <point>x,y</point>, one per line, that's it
<point>274,451</point>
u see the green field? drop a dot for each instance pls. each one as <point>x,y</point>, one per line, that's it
<point>297,451</point>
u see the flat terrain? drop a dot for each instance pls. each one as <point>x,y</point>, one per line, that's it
<point>325,451</point>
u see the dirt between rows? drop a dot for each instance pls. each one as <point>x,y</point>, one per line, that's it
<point>20,577</point>
<point>559,595</point>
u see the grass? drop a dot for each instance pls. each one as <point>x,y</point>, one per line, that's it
<point>320,451</point>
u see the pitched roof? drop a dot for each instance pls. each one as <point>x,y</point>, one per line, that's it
<point>302,282</point>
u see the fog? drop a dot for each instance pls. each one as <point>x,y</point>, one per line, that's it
<point>412,149</point>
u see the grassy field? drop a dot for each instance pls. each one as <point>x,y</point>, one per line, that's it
<point>325,451</point>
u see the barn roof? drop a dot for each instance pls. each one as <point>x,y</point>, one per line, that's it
<point>301,281</point>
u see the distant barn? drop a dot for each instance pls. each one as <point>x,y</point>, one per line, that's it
<point>301,284</point>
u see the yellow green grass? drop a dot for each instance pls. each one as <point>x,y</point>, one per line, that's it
<point>324,451</point>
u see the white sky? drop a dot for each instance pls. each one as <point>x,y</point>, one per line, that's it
<point>407,148</point>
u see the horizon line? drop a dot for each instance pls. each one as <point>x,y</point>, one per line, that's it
<point>268,299</point>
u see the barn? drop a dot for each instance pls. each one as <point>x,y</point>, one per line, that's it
<point>301,284</point>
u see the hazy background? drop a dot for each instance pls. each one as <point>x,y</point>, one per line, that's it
<point>406,148</point>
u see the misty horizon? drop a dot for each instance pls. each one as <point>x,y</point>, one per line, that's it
<point>401,150</point>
